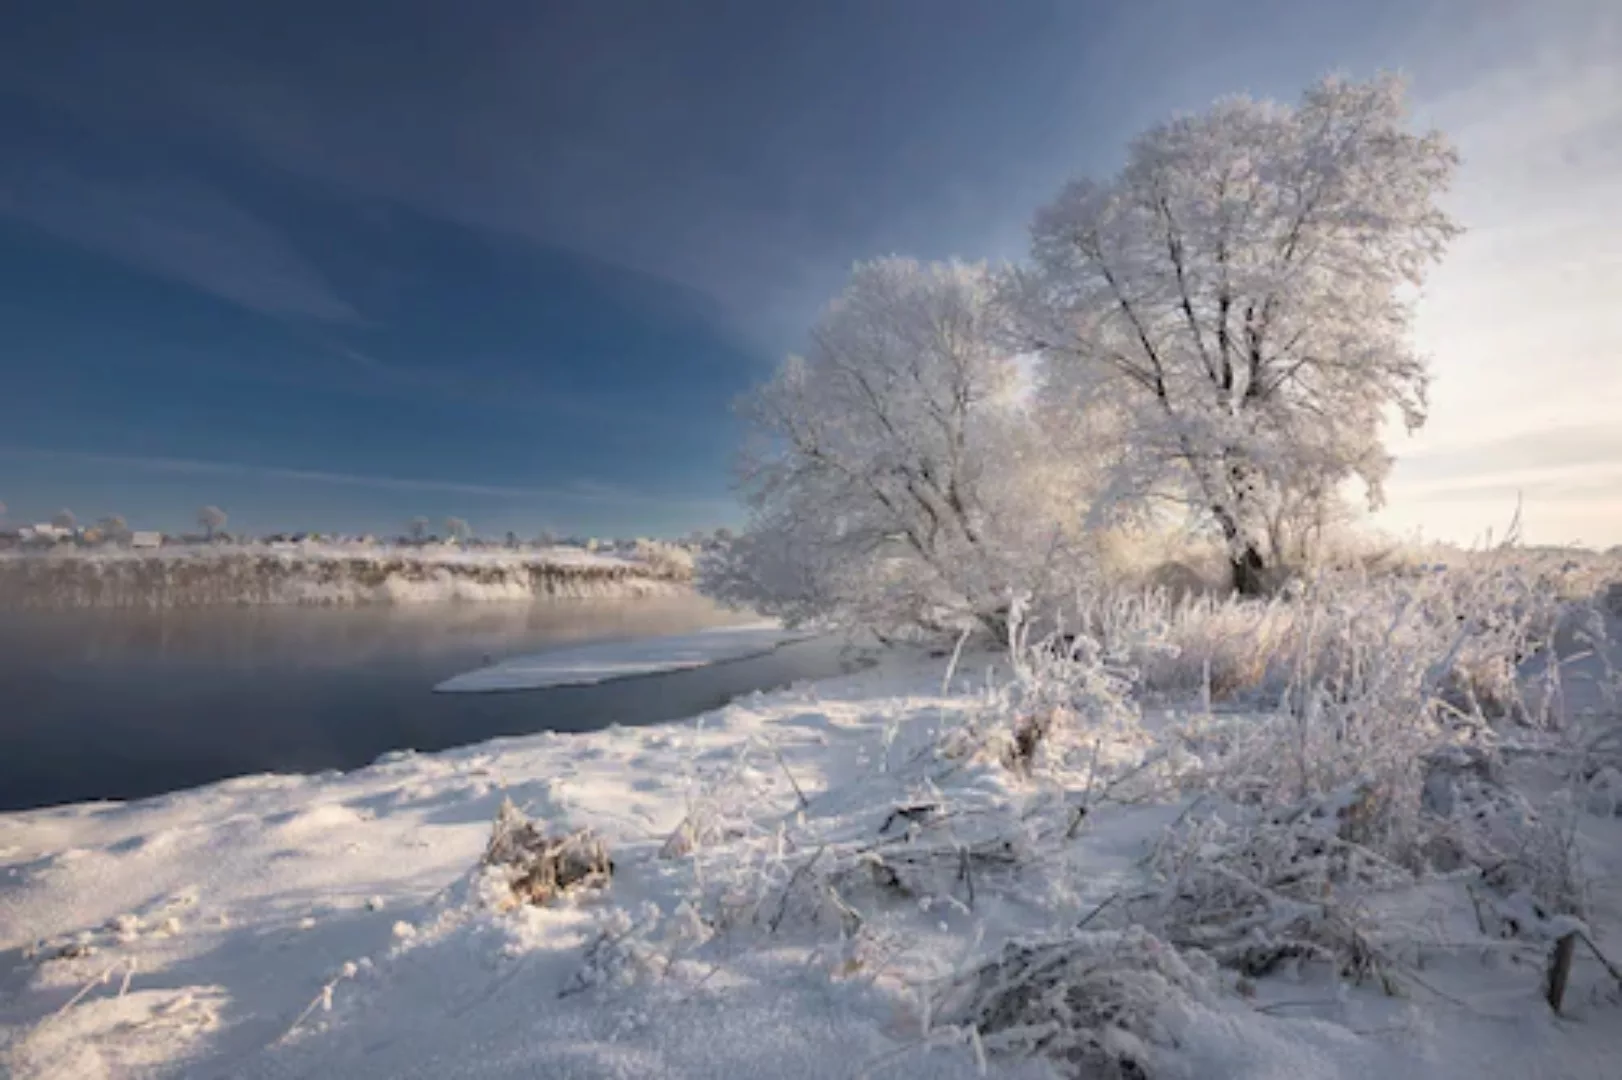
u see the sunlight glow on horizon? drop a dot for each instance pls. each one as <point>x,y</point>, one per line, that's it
<point>1523,320</point>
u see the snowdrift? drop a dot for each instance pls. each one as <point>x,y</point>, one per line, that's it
<point>196,577</point>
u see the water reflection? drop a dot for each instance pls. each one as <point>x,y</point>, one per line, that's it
<point>120,704</point>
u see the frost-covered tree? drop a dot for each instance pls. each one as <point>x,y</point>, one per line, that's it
<point>893,478</point>
<point>1241,293</point>
<point>65,519</point>
<point>212,519</point>
<point>419,528</point>
<point>458,530</point>
<point>114,528</point>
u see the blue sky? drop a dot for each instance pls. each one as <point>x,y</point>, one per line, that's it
<point>334,265</point>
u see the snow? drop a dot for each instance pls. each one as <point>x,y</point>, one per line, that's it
<point>587,665</point>
<point>334,925</point>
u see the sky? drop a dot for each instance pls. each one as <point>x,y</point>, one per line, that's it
<point>332,266</point>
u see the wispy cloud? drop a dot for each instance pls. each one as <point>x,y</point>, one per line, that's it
<point>1536,451</point>
<point>582,491</point>
<point>180,229</point>
<point>170,224</point>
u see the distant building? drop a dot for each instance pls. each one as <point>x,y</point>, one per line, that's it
<point>45,533</point>
<point>146,540</point>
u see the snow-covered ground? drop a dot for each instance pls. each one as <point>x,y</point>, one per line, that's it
<point>318,574</point>
<point>587,665</point>
<point>800,880</point>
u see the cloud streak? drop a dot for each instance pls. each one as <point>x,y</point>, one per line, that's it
<point>174,226</point>
<point>1532,452</point>
<point>583,491</point>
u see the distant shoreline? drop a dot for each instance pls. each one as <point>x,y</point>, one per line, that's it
<point>217,576</point>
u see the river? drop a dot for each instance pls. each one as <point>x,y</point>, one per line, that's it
<point>104,704</point>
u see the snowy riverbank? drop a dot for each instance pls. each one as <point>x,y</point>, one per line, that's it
<point>800,879</point>
<point>204,576</point>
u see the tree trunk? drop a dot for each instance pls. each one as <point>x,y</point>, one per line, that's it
<point>1249,572</point>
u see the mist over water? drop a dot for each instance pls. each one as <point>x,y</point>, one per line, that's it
<point>126,704</point>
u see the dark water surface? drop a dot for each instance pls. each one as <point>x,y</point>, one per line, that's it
<point>124,704</point>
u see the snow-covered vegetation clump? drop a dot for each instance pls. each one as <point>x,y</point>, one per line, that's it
<point>311,574</point>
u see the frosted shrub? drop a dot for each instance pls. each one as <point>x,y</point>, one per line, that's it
<point>1368,688</point>
<point>1187,644</point>
<point>1473,624</point>
<point>537,868</point>
<point>722,804</point>
<point>1102,1004</point>
<point>1065,699</point>
<point>1276,889</point>
<point>1538,873</point>
<point>1527,854</point>
<point>1065,715</point>
<point>638,947</point>
<point>832,874</point>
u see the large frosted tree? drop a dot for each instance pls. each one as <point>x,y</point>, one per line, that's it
<point>1241,294</point>
<point>892,476</point>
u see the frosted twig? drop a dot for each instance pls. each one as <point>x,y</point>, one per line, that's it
<point>1099,910</point>
<point>323,1000</point>
<point>951,667</point>
<point>778,754</point>
<point>104,977</point>
<point>1615,973</point>
<point>1271,1006</point>
<point>788,889</point>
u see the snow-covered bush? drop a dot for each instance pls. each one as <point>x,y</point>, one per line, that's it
<point>1097,1004</point>
<point>1283,887</point>
<point>1349,683</point>
<point>1065,711</point>
<point>536,867</point>
<point>722,805</point>
<point>1187,644</point>
<point>895,477</point>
